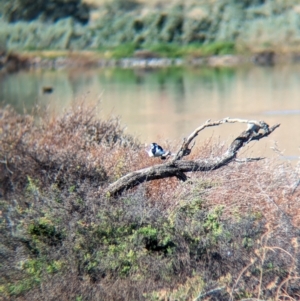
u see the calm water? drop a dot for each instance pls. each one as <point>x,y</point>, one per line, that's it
<point>167,104</point>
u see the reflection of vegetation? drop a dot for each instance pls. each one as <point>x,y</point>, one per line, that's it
<point>24,90</point>
<point>118,76</point>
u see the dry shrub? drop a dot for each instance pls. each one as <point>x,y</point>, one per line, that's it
<point>229,234</point>
<point>64,151</point>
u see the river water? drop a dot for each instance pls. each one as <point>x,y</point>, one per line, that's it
<point>168,104</point>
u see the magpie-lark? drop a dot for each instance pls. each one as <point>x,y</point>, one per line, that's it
<point>157,151</point>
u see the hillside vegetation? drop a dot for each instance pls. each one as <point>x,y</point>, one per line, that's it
<point>229,234</point>
<point>28,10</point>
<point>194,28</point>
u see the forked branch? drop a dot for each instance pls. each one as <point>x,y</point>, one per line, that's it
<point>177,167</point>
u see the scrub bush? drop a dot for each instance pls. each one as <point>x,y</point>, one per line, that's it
<point>63,237</point>
<point>54,10</point>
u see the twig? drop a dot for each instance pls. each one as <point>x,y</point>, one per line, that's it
<point>211,292</point>
<point>5,162</point>
<point>282,283</point>
<point>240,275</point>
<point>252,299</point>
<point>295,186</point>
<point>247,160</point>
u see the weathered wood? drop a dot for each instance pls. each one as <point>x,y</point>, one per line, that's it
<point>177,167</point>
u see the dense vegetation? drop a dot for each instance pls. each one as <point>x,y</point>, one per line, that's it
<point>233,232</point>
<point>28,10</point>
<point>192,28</point>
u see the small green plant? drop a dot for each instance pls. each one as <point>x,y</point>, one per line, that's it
<point>218,48</point>
<point>22,286</point>
<point>72,188</point>
<point>248,242</point>
<point>33,269</point>
<point>122,51</point>
<point>32,186</point>
<point>166,49</point>
<point>44,229</point>
<point>54,266</point>
<point>191,207</point>
<point>212,222</point>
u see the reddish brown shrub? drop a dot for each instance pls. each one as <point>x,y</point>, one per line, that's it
<point>234,229</point>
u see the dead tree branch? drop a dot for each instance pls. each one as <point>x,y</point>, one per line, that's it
<point>177,167</point>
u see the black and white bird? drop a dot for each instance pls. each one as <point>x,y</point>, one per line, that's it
<point>157,151</point>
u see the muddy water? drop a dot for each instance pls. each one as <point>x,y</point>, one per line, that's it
<point>167,104</point>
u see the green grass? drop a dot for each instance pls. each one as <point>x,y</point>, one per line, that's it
<point>172,50</point>
<point>166,50</point>
<point>121,51</point>
<point>218,48</point>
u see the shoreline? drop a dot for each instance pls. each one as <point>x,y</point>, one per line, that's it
<point>135,62</point>
<point>12,62</point>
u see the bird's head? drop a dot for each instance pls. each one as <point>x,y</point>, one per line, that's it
<point>153,145</point>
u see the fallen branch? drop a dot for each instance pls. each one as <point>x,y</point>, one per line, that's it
<point>177,167</point>
<point>209,293</point>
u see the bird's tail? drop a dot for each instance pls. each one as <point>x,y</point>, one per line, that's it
<point>166,155</point>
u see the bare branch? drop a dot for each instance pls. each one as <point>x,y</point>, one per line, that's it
<point>177,168</point>
<point>211,292</point>
<point>184,150</point>
<point>247,160</point>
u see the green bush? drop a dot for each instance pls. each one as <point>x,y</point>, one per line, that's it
<point>54,10</point>
<point>218,48</point>
<point>219,28</point>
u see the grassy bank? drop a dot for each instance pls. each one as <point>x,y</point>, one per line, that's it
<point>119,28</point>
<point>233,232</point>
<point>130,50</point>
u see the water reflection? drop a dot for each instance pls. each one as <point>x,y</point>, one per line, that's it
<point>170,103</point>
